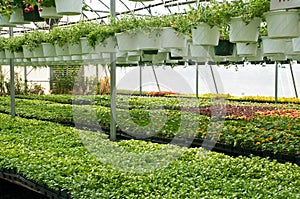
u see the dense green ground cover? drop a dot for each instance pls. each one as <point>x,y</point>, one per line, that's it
<point>276,133</point>
<point>90,166</point>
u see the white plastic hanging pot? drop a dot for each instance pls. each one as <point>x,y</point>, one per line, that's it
<point>17,17</point>
<point>273,46</point>
<point>259,56</point>
<point>242,32</point>
<point>109,45</point>
<point>75,49</point>
<point>48,50</point>
<point>201,52</point>
<point>19,54</point>
<point>27,52</point>
<point>179,52</point>
<point>246,49</point>
<point>172,39</point>
<point>289,50</point>
<point>85,47</point>
<point>68,7</point>
<point>4,21</point>
<point>296,44</point>
<point>134,58</point>
<point>50,12</point>
<point>62,50</point>
<point>282,23</point>
<point>9,54</point>
<point>127,41</point>
<point>2,54</point>
<point>38,51</point>
<point>149,39</point>
<point>206,35</point>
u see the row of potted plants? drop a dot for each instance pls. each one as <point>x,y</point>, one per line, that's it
<point>88,165</point>
<point>25,11</point>
<point>170,35</point>
<point>269,131</point>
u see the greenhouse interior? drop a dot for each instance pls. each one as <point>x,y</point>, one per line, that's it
<point>162,99</point>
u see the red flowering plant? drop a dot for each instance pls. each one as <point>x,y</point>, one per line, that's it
<point>7,6</point>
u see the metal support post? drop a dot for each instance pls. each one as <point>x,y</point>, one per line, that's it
<point>113,93</point>
<point>12,82</point>
<point>141,81</point>
<point>156,79</point>
<point>293,79</point>
<point>276,82</point>
<point>214,79</point>
<point>197,81</point>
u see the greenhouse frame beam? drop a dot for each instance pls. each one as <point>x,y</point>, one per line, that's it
<point>179,3</point>
<point>293,79</point>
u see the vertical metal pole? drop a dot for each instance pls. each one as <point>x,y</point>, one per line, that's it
<point>213,76</point>
<point>12,82</point>
<point>98,80</point>
<point>276,82</point>
<point>293,79</point>
<point>197,81</point>
<point>51,78</point>
<point>113,92</point>
<point>141,81</point>
<point>155,76</point>
<point>25,79</point>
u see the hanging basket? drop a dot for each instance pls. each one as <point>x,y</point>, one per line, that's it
<point>205,35</point>
<point>2,54</point>
<point>246,49</point>
<point>149,40</point>
<point>85,47</point>
<point>75,49</point>
<point>179,52</point>
<point>225,48</point>
<point>172,39</point>
<point>33,16</point>
<point>282,24</point>
<point>296,44</point>
<point>27,52</point>
<point>259,56</point>
<point>50,12</point>
<point>62,50</point>
<point>4,22</point>
<point>38,51</point>
<point>48,50</point>
<point>109,45</point>
<point>9,54</point>
<point>17,17</point>
<point>127,41</point>
<point>242,32</point>
<point>201,53</point>
<point>273,46</point>
<point>68,7</point>
<point>19,55</point>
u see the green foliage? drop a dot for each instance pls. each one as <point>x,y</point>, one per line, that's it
<point>57,156</point>
<point>14,44</point>
<point>135,113</point>
<point>99,34</point>
<point>34,39</point>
